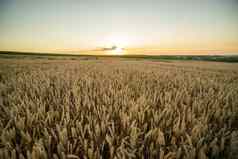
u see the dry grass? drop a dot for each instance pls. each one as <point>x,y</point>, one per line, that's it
<point>117,109</point>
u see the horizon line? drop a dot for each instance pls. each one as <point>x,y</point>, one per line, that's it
<point>78,54</point>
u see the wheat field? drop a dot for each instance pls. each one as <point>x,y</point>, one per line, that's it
<point>115,108</point>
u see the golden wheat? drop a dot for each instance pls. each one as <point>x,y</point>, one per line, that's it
<point>117,109</point>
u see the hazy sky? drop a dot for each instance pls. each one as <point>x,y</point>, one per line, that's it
<point>149,25</point>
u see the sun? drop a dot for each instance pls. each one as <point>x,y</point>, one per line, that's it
<point>118,51</point>
<point>114,50</point>
<point>116,44</point>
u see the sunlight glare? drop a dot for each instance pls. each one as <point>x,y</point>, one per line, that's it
<point>118,51</point>
<point>118,40</point>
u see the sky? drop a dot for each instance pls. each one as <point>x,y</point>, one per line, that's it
<point>135,26</point>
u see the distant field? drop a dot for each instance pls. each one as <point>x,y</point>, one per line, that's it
<point>111,107</point>
<point>216,58</point>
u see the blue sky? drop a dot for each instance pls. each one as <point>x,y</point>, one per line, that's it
<point>49,25</point>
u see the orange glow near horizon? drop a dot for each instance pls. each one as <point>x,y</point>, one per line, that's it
<point>131,45</point>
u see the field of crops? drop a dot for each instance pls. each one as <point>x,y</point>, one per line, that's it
<point>112,108</point>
